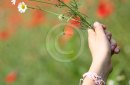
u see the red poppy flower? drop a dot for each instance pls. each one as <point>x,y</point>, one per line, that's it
<point>5,35</point>
<point>14,20</point>
<point>105,8</point>
<point>66,1</point>
<point>75,21</point>
<point>69,30</point>
<point>64,39</point>
<point>38,17</point>
<point>70,27</point>
<point>11,77</point>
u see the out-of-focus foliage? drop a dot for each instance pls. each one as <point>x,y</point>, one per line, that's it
<point>24,56</point>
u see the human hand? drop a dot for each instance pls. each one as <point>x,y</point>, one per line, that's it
<point>102,47</point>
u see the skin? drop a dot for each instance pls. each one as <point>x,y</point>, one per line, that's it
<point>102,47</point>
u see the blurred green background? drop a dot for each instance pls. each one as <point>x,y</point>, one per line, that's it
<point>27,45</point>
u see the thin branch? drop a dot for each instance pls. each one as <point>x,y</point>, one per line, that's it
<point>44,2</point>
<point>38,8</point>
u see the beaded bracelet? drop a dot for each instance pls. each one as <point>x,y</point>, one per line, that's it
<point>93,76</point>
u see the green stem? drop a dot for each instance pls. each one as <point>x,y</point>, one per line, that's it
<point>77,13</point>
<point>83,20</point>
<point>43,10</point>
<point>48,12</point>
<point>43,2</point>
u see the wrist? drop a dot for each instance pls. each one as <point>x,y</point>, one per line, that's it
<point>95,78</point>
<point>101,60</point>
<point>100,69</point>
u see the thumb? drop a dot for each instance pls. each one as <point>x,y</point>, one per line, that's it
<point>91,36</point>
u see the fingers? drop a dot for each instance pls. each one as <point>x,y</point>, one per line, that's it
<point>108,34</point>
<point>113,44</point>
<point>117,50</point>
<point>98,29</point>
<point>91,35</point>
<point>114,48</point>
<point>104,27</point>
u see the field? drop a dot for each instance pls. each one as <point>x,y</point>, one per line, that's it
<point>33,50</point>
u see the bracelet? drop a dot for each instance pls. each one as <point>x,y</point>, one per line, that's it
<point>93,76</point>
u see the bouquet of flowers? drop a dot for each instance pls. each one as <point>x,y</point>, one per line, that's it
<point>72,13</point>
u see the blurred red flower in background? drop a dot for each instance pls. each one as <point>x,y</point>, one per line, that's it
<point>72,24</point>
<point>69,30</point>
<point>66,1</point>
<point>38,17</point>
<point>105,8</point>
<point>11,20</point>
<point>4,35</point>
<point>14,20</point>
<point>11,77</point>
<point>75,21</point>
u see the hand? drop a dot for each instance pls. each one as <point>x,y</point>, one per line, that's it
<point>102,47</point>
